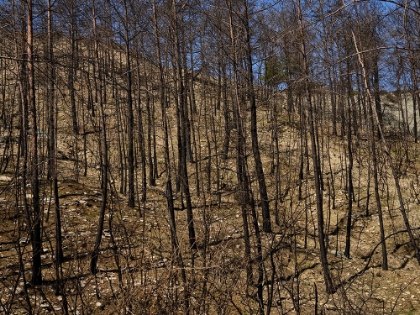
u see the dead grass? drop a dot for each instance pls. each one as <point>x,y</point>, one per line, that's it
<point>138,270</point>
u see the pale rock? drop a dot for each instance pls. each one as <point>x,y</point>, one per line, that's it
<point>4,178</point>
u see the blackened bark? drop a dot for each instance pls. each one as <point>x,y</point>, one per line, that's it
<point>243,193</point>
<point>72,70</point>
<point>183,137</point>
<point>130,123</point>
<point>103,152</point>
<point>168,190</point>
<point>329,286</point>
<point>349,181</point>
<point>36,238</point>
<point>142,145</point>
<point>254,133</point>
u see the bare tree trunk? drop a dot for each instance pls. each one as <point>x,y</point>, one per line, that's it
<point>103,150</point>
<point>168,189</point>
<point>52,154</point>
<point>227,124</point>
<point>414,90</point>
<point>350,191</point>
<point>151,141</point>
<point>142,145</point>
<point>130,123</point>
<point>23,154</point>
<point>376,90</point>
<point>243,193</point>
<point>36,214</point>
<point>72,70</point>
<point>329,285</point>
<point>254,133</point>
<point>376,189</point>
<point>183,137</point>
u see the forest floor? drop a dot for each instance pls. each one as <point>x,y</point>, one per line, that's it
<point>139,274</point>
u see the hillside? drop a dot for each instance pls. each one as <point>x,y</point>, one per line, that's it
<point>133,170</point>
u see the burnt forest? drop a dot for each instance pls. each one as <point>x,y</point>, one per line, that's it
<point>209,157</point>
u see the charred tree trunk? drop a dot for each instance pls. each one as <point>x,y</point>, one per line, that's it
<point>184,145</point>
<point>168,189</point>
<point>52,151</point>
<point>350,191</point>
<point>130,113</point>
<point>254,133</point>
<point>72,70</point>
<point>329,285</point>
<point>36,232</point>
<point>103,148</point>
<point>242,194</point>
